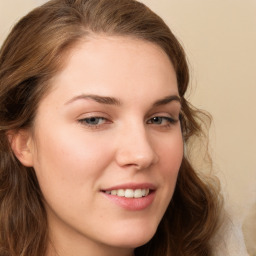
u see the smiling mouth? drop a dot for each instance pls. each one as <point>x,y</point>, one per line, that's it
<point>128,193</point>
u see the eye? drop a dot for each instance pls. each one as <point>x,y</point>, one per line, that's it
<point>162,120</point>
<point>93,121</point>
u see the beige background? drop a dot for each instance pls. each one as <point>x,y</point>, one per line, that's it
<point>219,37</point>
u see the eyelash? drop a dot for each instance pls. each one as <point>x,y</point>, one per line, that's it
<point>85,121</point>
<point>170,121</point>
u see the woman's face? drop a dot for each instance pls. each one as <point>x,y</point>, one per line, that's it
<point>107,146</point>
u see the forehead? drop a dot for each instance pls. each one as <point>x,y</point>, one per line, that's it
<point>111,64</point>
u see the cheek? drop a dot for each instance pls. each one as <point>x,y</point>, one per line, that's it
<point>69,160</point>
<point>171,155</point>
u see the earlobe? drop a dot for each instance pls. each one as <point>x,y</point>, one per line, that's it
<point>21,144</point>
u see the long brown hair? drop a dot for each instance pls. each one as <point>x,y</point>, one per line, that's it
<point>31,55</point>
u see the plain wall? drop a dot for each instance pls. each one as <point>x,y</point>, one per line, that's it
<point>220,40</point>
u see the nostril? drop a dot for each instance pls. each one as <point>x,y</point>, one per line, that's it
<point>135,149</point>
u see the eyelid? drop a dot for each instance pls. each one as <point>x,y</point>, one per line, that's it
<point>84,119</point>
<point>85,123</point>
<point>167,114</point>
<point>167,119</point>
<point>93,114</point>
<point>171,120</point>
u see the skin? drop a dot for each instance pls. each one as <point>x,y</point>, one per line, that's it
<point>75,158</point>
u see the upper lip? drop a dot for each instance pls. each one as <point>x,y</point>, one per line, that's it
<point>131,186</point>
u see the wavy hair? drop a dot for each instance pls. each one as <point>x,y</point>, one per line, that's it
<point>32,54</point>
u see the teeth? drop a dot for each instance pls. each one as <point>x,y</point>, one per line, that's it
<point>138,193</point>
<point>113,192</point>
<point>120,192</point>
<point>128,193</point>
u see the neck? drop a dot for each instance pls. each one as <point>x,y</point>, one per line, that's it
<point>73,248</point>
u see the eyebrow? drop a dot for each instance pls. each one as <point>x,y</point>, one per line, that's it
<point>117,102</point>
<point>97,98</point>
<point>167,100</point>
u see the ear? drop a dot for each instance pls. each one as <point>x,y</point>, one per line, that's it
<point>21,144</point>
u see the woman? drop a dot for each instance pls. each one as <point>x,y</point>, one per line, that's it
<point>93,123</point>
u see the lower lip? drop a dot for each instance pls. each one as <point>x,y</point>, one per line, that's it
<point>132,204</point>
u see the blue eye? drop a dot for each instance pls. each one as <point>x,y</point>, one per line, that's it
<point>162,120</point>
<point>92,121</point>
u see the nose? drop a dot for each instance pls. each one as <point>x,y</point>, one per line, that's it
<point>135,149</point>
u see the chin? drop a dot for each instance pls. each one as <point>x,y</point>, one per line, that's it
<point>134,237</point>
<point>132,242</point>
